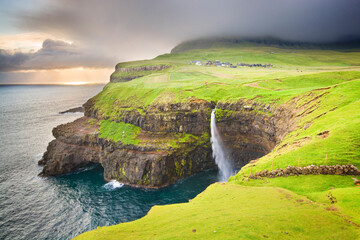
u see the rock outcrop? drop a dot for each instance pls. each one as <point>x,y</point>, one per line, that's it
<point>73,110</point>
<point>192,117</point>
<point>78,144</point>
<point>124,74</point>
<point>251,130</point>
<point>348,169</point>
<point>144,68</point>
<point>248,132</point>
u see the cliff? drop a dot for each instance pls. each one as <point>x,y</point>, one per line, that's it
<point>292,130</point>
<point>124,74</point>
<point>158,160</point>
<point>154,129</point>
<point>173,141</point>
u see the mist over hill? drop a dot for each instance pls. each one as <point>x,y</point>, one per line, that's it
<point>222,42</point>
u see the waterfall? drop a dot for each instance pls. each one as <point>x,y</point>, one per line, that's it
<point>222,159</point>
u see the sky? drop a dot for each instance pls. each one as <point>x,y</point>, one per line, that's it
<point>66,41</point>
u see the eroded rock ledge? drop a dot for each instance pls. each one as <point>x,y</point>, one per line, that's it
<point>78,143</point>
<point>348,169</point>
<point>124,74</point>
<point>73,110</point>
<point>249,130</point>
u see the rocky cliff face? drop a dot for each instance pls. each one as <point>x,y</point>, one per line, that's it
<point>124,74</point>
<point>192,117</point>
<point>249,130</point>
<point>78,143</point>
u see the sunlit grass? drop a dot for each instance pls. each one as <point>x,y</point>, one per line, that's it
<point>324,81</point>
<point>225,211</point>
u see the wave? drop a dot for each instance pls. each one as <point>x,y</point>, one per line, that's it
<point>113,184</point>
<point>38,156</point>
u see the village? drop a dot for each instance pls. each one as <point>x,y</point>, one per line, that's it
<point>217,63</point>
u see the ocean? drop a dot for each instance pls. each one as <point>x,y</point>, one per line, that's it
<point>64,206</point>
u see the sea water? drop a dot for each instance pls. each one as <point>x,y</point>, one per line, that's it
<point>65,206</point>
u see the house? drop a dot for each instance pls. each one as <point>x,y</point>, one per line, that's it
<point>217,63</point>
<point>196,62</point>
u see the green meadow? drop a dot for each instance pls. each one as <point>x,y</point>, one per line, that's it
<point>325,84</point>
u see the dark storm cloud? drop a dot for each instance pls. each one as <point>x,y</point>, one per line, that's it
<point>136,29</point>
<point>10,62</point>
<point>53,54</point>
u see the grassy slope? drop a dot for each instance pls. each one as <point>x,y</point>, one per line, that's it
<point>183,81</point>
<point>226,211</point>
<point>124,132</point>
<point>341,118</point>
<point>317,188</point>
<point>303,76</point>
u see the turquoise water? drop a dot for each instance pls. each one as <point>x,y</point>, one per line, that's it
<point>64,206</point>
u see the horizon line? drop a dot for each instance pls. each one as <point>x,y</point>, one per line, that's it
<point>50,84</point>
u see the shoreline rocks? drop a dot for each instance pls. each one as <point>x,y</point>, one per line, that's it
<point>73,110</point>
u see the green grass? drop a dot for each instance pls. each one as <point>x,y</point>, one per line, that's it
<point>262,54</point>
<point>322,84</point>
<point>120,76</point>
<point>123,132</point>
<point>338,111</point>
<point>317,189</point>
<point>225,211</point>
<point>127,133</point>
<point>293,73</point>
<point>183,138</point>
<point>311,81</point>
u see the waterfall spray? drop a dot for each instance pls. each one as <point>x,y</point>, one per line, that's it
<point>222,159</point>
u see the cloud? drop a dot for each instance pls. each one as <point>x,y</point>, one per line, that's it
<point>64,76</point>
<point>23,42</point>
<point>137,29</point>
<point>8,62</point>
<point>53,54</point>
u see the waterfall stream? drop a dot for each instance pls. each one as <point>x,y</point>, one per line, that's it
<point>222,158</point>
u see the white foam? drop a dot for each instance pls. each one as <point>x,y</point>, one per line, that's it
<point>220,154</point>
<point>113,184</point>
<point>38,156</point>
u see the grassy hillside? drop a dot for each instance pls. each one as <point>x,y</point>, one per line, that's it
<point>225,211</point>
<point>324,84</point>
<point>182,81</point>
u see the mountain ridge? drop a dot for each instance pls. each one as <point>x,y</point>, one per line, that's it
<point>216,42</point>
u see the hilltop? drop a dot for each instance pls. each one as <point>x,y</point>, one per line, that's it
<point>233,42</point>
<point>150,127</point>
